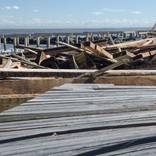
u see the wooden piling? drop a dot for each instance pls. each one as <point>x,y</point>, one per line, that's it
<point>38,41</point>
<point>77,39</point>
<point>125,35</point>
<point>67,39</point>
<point>15,44</point>
<point>25,41</point>
<point>5,44</point>
<point>28,41</point>
<point>48,42</point>
<point>57,39</point>
<point>92,37</point>
<point>87,37</point>
<point>17,40</point>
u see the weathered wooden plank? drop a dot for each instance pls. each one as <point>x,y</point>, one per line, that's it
<point>8,63</point>
<point>62,131</point>
<point>130,72</point>
<point>144,55</point>
<point>40,57</point>
<point>41,72</point>
<point>55,50</point>
<point>103,70</point>
<point>97,50</point>
<point>76,143</point>
<point>124,55</point>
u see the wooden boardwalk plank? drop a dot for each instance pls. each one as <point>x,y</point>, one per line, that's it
<point>74,119</point>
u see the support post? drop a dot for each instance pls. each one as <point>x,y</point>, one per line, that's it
<point>15,44</point>
<point>87,37</point>
<point>5,44</point>
<point>38,41</point>
<point>28,41</point>
<point>17,41</point>
<point>107,34</point>
<point>57,40</point>
<point>48,42</point>
<point>92,37</point>
<point>67,39</point>
<point>125,35</point>
<point>99,36</point>
<point>77,39</point>
<point>25,41</point>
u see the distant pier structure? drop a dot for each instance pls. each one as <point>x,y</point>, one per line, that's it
<point>50,40</point>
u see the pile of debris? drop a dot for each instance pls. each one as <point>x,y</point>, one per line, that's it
<point>138,54</point>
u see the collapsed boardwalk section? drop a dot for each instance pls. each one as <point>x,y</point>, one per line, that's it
<point>82,119</point>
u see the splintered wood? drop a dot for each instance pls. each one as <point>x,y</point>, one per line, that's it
<point>98,54</point>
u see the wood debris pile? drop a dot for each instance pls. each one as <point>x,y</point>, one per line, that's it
<point>139,54</point>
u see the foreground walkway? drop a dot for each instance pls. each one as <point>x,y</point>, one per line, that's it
<point>82,119</point>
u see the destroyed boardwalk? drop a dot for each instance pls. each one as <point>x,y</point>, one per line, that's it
<point>85,54</point>
<point>82,119</point>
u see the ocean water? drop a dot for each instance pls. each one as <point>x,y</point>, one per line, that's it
<point>69,30</point>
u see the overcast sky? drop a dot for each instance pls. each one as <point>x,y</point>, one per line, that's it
<point>77,13</point>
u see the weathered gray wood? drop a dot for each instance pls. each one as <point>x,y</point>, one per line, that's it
<point>28,62</point>
<point>77,39</point>
<point>48,42</point>
<point>71,46</point>
<point>57,40</point>
<point>111,40</point>
<point>26,41</point>
<point>17,60</point>
<point>15,40</point>
<point>38,41</point>
<point>97,50</point>
<point>88,52</point>
<point>124,55</point>
<point>8,63</point>
<point>103,70</point>
<point>32,51</point>
<point>130,72</point>
<point>80,132</point>
<point>67,39</point>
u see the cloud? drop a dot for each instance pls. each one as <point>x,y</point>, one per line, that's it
<point>8,7</point>
<point>97,13</point>
<point>137,12</point>
<point>15,7</point>
<point>11,7</point>
<point>105,23</point>
<point>112,10</point>
<point>36,10</point>
<point>117,23</point>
